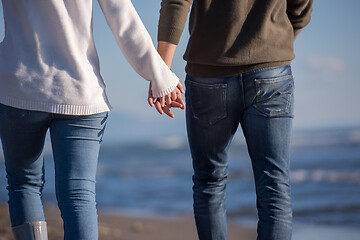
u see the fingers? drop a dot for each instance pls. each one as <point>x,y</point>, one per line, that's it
<point>168,99</point>
<point>162,101</point>
<point>173,104</point>
<point>176,105</point>
<point>151,101</point>
<point>166,109</point>
<point>165,103</point>
<point>158,107</point>
<point>168,112</point>
<point>174,94</point>
<point>180,87</point>
<point>181,101</point>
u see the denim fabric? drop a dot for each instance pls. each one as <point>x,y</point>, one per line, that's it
<point>261,102</point>
<point>75,142</point>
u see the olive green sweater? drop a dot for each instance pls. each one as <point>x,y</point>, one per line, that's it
<point>228,37</point>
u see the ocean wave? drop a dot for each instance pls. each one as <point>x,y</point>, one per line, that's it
<point>170,143</point>
<point>319,175</point>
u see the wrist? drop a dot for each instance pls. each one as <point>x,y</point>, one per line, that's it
<point>166,50</point>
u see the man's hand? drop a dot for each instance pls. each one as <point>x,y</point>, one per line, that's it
<point>173,99</point>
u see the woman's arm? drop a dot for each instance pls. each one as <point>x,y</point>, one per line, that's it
<point>137,46</point>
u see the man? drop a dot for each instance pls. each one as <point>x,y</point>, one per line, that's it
<point>238,72</point>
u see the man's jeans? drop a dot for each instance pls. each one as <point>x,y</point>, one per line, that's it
<point>262,102</point>
<point>75,142</point>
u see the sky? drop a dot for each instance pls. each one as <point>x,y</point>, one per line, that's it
<point>325,71</point>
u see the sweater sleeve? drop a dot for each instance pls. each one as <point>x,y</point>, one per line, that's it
<point>173,15</point>
<point>137,46</point>
<point>299,12</point>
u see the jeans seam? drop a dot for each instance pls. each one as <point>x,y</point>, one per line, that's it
<point>243,91</point>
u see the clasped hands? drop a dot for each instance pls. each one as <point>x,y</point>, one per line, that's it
<point>163,104</point>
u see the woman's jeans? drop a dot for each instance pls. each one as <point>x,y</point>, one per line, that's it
<point>261,102</point>
<point>75,142</point>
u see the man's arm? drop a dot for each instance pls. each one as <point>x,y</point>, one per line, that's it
<point>137,46</point>
<point>299,12</point>
<point>166,51</point>
<point>173,16</point>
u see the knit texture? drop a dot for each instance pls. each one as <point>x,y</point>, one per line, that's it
<point>48,60</point>
<point>234,36</point>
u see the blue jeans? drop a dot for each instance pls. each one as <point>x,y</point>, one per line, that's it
<point>75,143</point>
<point>260,101</point>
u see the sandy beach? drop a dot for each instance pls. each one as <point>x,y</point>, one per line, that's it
<point>128,228</point>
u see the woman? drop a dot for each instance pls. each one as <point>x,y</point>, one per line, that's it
<point>50,79</point>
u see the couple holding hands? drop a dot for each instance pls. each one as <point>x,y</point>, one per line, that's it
<point>238,73</point>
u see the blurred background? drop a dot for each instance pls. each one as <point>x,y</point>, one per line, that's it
<point>145,166</point>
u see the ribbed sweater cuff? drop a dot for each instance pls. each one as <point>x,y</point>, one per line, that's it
<point>160,93</point>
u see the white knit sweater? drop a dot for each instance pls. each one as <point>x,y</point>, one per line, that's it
<point>48,60</point>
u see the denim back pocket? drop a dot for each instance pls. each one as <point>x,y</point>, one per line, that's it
<point>12,113</point>
<point>207,101</point>
<point>274,95</point>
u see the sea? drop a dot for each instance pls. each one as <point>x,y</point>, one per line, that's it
<point>153,179</point>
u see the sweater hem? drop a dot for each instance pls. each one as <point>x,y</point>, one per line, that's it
<point>212,71</point>
<point>64,109</point>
